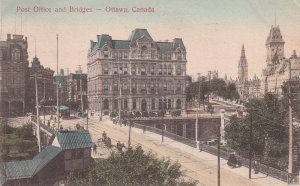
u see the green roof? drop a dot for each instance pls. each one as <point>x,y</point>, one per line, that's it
<point>74,139</point>
<point>28,168</point>
<point>138,33</point>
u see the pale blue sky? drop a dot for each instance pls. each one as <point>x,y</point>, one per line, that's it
<point>212,30</point>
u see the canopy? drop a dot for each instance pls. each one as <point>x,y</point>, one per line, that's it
<point>63,107</point>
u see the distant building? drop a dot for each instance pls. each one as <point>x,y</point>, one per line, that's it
<point>44,84</point>
<point>62,81</point>
<point>77,88</point>
<point>138,74</point>
<point>277,69</point>
<point>13,71</point>
<point>245,87</point>
<point>69,151</point>
<point>211,75</point>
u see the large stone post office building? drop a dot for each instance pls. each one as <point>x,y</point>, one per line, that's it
<point>138,74</point>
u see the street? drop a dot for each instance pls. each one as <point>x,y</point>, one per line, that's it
<point>197,165</point>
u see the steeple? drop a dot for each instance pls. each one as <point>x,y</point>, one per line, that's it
<point>243,66</point>
<point>243,60</point>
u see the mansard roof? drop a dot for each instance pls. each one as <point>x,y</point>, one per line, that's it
<point>136,34</point>
<point>274,36</point>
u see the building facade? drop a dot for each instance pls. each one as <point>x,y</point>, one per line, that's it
<point>77,89</point>
<point>138,74</point>
<point>13,71</point>
<point>45,86</point>
<point>62,80</point>
<point>278,67</point>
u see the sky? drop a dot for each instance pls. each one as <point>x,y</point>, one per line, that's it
<point>213,31</point>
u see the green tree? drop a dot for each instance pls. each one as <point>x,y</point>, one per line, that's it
<point>134,167</point>
<point>270,131</point>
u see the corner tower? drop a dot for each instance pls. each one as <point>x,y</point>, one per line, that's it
<point>275,46</point>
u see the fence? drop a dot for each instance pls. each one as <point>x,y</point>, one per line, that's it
<point>269,171</point>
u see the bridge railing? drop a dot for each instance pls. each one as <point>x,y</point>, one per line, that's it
<point>170,135</point>
<point>270,171</point>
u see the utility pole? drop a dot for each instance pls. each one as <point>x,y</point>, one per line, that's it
<point>198,107</point>
<point>219,164</point>
<point>44,109</point>
<point>290,165</point>
<point>129,134</point>
<point>81,100</point>
<point>57,82</point>
<point>37,114</point>
<point>250,142</point>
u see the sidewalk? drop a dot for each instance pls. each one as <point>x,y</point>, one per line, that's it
<point>242,171</point>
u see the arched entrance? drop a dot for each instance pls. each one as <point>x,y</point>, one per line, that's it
<point>144,105</point>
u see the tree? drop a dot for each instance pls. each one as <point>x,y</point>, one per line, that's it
<point>134,167</point>
<point>269,127</point>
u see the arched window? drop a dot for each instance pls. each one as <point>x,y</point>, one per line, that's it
<point>165,69</point>
<point>143,70</point>
<point>133,70</point>
<point>169,69</point>
<point>178,104</point>
<point>178,69</point>
<point>159,69</point>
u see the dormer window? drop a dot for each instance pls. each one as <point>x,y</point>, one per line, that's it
<point>179,55</point>
<point>144,50</point>
<point>105,52</point>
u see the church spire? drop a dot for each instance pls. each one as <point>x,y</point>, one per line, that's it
<point>243,60</point>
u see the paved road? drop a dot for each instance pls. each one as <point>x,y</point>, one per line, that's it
<point>200,166</point>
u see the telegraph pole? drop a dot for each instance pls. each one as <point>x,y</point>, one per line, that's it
<point>219,163</point>
<point>37,114</point>
<point>290,165</point>
<point>250,144</point>
<point>129,135</point>
<point>198,107</point>
<point>57,82</point>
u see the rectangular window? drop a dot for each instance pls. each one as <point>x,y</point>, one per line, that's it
<point>125,70</point>
<point>133,103</point>
<point>115,70</point>
<point>153,103</point>
<point>105,71</point>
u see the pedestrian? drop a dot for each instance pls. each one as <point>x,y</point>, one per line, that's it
<point>61,127</point>
<point>48,123</point>
<point>94,148</point>
<point>144,129</point>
